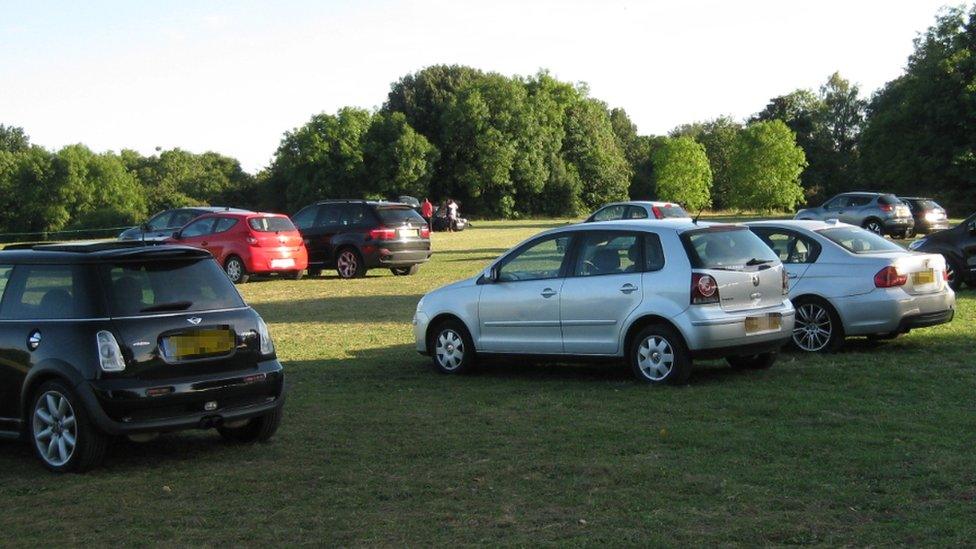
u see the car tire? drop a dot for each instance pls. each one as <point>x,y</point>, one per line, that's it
<point>60,431</point>
<point>313,272</point>
<point>900,235</point>
<point>236,271</point>
<point>295,275</point>
<point>451,348</point>
<point>405,271</point>
<point>954,272</point>
<point>658,356</point>
<point>874,225</point>
<point>818,327</point>
<point>258,429</point>
<point>349,264</point>
<point>762,361</point>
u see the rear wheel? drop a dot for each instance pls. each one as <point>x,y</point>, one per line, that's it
<point>953,273</point>
<point>236,272</point>
<point>63,437</point>
<point>258,429</point>
<point>817,327</point>
<point>349,264</point>
<point>762,361</point>
<point>295,275</point>
<point>314,272</point>
<point>874,225</point>
<point>658,356</point>
<point>452,349</point>
<point>405,271</point>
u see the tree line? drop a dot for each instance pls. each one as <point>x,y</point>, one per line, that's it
<point>509,147</point>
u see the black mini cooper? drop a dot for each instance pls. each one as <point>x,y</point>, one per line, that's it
<point>108,339</point>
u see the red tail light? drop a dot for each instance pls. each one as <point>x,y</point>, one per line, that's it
<point>886,207</point>
<point>704,289</point>
<point>945,275</point>
<point>252,240</point>
<point>889,278</point>
<point>657,212</point>
<point>425,232</point>
<point>383,234</point>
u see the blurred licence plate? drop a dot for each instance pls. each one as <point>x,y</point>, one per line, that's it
<point>201,343</point>
<point>282,263</point>
<point>762,323</point>
<point>407,233</point>
<point>923,277</point>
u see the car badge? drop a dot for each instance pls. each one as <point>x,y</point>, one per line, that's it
<point>194,320</point>
<point>755,280</point>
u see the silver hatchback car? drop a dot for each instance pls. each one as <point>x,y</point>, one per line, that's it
<point>658,294</point>
<point>847,281</point>
<point>877,212</point>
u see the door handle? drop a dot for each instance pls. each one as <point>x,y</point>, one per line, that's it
<point>792,276</point>
<point>628,288</point>
<point>548,292</point>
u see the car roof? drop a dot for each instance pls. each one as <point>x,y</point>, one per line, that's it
<point>808,224</point>
<point>641,203</point>
<point>677,224</point>
<point>97,252</point>
<point>244,214</point>
<point>362,201</point>
<point>913,198</point>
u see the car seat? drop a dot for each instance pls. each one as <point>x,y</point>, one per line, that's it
<point>606,261</point>
<point>126,292</point>
<point>56,303</point>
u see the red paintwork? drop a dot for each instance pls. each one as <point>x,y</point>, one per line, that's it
<point>255,248</point>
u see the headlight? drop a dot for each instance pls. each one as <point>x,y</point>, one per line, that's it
<point>916,244</point>
<point>267,345</point>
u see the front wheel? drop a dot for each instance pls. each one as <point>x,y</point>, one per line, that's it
<point>452,349</point>
<point>63,437</point>
<point>258,429</point>
<point>236,272</point>
<point>658,356</point>
<point>762,361</point>
<point>817,327</point>
<point>405,271</point>
<point>350,265</point>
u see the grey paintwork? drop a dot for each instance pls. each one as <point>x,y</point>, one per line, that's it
<point>863,209</point>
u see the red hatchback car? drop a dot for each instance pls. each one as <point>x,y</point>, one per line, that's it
<point>248,243</point>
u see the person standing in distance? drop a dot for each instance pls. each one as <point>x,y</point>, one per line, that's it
<point>452,212</point>
<point>427,212</point>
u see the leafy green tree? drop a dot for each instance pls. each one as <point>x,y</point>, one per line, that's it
<point>13,139</point>
<point>765,168</point>
<point>397,159</point>
<point>682,173</point>
<point>591,146</point>
<point>94,190</point>
<point>719,137</point>
<point>26,191</point>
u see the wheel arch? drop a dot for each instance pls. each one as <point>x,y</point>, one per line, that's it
<point>45,371</point>
<point>818,297</point>
<point>439,319</point>
<point>639,323</point>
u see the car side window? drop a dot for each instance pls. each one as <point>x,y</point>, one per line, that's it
<point>836,203</point>
<point>5,271</point>
<point>182,217</point>
<point>352,215</point>
<point>636,212</point>
<point>789,246</point>
<point>653,252</point>
<point>198,228</point>
<point>540,260</point>
<point>859,201</point>
<point>305,218</point>
<point>224,224</point>
<point>328,216</point>
<point>610,213</point>
<point>606,253</point>
<point>47,292</point>
<point>160,221</point>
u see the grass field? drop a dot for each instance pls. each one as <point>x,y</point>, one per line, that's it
<point>871,446</point>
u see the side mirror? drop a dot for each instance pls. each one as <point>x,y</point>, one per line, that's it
<point>177,235</point>
<point>491,274</point>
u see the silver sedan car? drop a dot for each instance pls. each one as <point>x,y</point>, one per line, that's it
<point>657,294</point>
<point>847,281</point>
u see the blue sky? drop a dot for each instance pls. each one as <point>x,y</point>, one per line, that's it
<point>233,76</point>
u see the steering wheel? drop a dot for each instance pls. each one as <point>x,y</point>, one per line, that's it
<point>589,267</point>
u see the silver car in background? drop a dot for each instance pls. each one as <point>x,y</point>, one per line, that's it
<point>879,213</point>
<point>846,281</point>
<point>656,293</point>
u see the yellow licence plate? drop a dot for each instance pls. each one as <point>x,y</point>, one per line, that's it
<point>762,323</point>
<point>407,233</point>
<point>923,277</point>
<point>201,343</point>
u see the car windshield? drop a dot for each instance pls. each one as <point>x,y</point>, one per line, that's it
<point>150,286</point>
<point>398,215</point>
<point>271,224</point>
<point>731,249</point>
<point>859,241</point>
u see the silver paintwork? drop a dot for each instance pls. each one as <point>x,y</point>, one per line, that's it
<point>55,429</point>
<point>591,315</point>
<point>846,281</point>
<point>869,215</point>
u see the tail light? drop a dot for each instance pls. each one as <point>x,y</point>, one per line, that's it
<point>109,353</point>
<point>264,335</point>
<point>945,275</point>
<point>889,278</point>
<point>252,240</point>
<point>657,212</point>
<point>383,234</point>
<point>786,282</point>
<point>888,208</point>
<point>704,289</point>
<point>425,232</point>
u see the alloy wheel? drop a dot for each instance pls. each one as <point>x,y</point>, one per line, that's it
<point>655,357</point>
<point>234,270</point>
<point>347,264</point>
<point>813,327</point>
<point>449,350</point>
<point>874,227</point>
<point>55,428</point>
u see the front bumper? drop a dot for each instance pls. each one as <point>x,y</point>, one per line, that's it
<point>123,406</point>
<point>711,330</point>
<point>420,323</point>
<point>888,310</point>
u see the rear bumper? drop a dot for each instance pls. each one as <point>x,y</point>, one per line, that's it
<point>895,225</point>
<point>885,311</point>
<point>396,254</point>
<point>931,226</point>
<point>124,407</point>
<point>267,260</point>
<point>925,320</point>
<point>710,330</point>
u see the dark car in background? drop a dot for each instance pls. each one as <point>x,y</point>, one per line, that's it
<point>120,339</point>
<point>929,216</point>
<point>958,246</point>
<point>162,225</point>
<point>879,213</point>
<point>353,236</point>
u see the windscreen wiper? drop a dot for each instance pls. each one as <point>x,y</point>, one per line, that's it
<point>171,306</point>
<point>756,261</point>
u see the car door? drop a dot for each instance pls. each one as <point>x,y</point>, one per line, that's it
<point>159,226</point>
<point>14,362</point>
<point>835,208</point>
<point>602,290</point>
<point>856,209</point>
<point>197,233</point>
<point>519,311</point>
<point>222,240</point>
<point>796,251</point>
<point>306,222</point>
<point>179,219</point>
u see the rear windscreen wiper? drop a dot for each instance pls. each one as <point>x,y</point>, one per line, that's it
<point>171,306</point>
<point>756,261</point>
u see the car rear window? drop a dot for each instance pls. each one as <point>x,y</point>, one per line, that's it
<point>671,210</point>
<point>271,224</point>
<point>398,215</point>
<point>731,249</point>
<point>928,205</point>
<point>860,241</point>
<point>153,286</point>
<point>889,200</point>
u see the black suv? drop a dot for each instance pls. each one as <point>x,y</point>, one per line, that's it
<point>108,339</point>
<point>162,225</point>
<point>958,246</point>
<point>353,236</point>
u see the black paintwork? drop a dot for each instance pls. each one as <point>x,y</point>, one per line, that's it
<point>118,402</point>
<point>918,207</point>
<point>958,245</point>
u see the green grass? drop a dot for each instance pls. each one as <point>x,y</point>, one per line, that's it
<point>871,446</point>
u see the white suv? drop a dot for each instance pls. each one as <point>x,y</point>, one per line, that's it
<point>655,293</point>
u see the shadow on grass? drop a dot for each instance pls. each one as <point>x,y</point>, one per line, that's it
<point>471,251</point>
<point>342,309</point>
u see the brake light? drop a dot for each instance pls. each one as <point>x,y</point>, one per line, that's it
<point>109,353</point>
<point>786,282</point>
<point>657,212</point>
<point>945,275</point>
<point>886,207</point>
<point>425,232</point>
<point>383,234</point>
<point>704,289</point>
<point>889,278</point>
<point>252,240</point>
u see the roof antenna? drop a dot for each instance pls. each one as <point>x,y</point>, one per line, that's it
<point>695,220</point>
